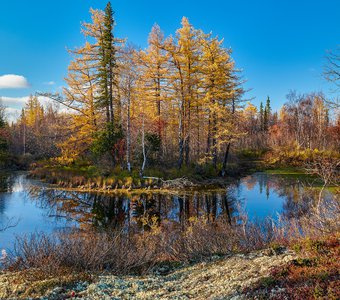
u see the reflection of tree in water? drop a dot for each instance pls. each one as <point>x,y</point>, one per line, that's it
<point>86,209</point>
<point>146,209</point>
<point>70,205</point>
<point>2,205</point>
<point>135,211</point>
<point>125,210</point>
<point>110,211</point>
<point>6,182</point>
<point>299,203</point>
<point>250,182</point>
<point>211,205</point>
<point>298,192</point>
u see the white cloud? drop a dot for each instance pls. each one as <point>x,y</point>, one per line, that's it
<point>20,101</point>
<point>14,101</point>
<point>13,105</point>
<point>49,83</point>
<point>11,81</point>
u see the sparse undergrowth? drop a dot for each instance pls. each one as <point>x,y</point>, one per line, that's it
<point>289,158</point>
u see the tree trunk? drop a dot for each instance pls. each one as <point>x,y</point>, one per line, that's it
<point>181,127</point>
<point>187,144</point>
<point>143,147</point>
<point>225,160</point>
<point>214,141</point>
<point>181,146</point>
<point>128,129</point>
<point>209,134</point>
<point>111,90</point>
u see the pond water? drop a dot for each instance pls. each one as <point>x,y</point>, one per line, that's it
<point>28,206</point>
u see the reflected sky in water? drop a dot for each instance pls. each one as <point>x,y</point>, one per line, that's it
<point>17,208</point>
<point>260,195</point>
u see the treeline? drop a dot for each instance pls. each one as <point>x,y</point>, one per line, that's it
<point>176,103</point>
<point>304,122</point>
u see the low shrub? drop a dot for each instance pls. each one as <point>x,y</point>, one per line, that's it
<point>314,275</point>
<point>133,251</point>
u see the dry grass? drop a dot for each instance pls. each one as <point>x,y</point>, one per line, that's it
<point>128,252</point>
<point>90,178</point>
<point>41,262</point>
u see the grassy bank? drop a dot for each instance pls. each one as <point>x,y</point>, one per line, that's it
<point>289,158</point>
<point>91,177</point>
<point>83,174</point>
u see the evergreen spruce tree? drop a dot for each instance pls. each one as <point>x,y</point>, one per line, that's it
<point>261,117</point>
<point>108,139</point>
<point>266,115</point>
<point>108,65</point>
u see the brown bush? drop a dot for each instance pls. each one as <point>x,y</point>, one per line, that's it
<point>120,252</point>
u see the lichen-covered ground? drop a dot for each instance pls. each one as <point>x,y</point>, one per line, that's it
<point>221,278</point>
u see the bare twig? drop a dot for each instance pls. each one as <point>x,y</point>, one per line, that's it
<point>10,223</point>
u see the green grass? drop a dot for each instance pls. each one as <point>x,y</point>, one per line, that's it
<point>316,182</point>
<point>318,186</point>
<point>286,171</point>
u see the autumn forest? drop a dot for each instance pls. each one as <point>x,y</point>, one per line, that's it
<point>180,103</point>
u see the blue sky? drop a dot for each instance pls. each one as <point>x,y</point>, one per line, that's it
<point>279,44</point>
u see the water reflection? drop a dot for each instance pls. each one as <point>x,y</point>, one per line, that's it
<point>138,209</point>
<point>6,182</point>
<point>291,196</point>
<point>20,212</point>
<point>41,208</point>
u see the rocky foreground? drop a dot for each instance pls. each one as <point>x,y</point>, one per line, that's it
<point>221,278</point>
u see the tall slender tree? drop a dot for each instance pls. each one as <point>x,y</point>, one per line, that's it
<point>261,117</point>
<point>266,115</point>
<point>153,67</point>
<point>108,66</point>
<point>184,54</point>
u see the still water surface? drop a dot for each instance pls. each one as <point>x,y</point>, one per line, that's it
<point>31,206</point>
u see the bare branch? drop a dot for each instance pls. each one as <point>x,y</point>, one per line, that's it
<point>10,223</point>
